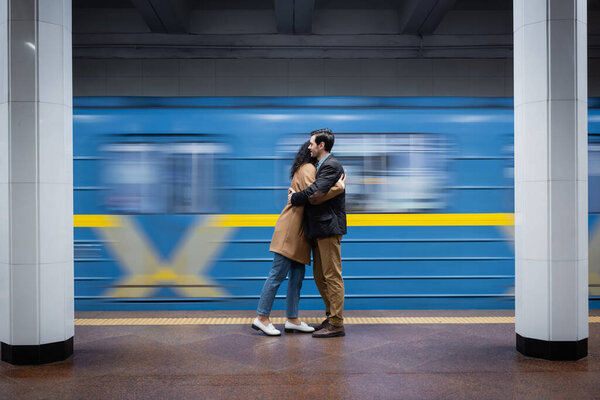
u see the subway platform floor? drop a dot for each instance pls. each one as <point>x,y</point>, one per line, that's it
<point>432,354</point>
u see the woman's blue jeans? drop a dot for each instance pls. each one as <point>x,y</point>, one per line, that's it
<point>281,266</point>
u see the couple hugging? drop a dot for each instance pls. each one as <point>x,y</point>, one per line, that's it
<point>314,218</point>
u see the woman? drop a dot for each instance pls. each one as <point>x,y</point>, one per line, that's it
<point>291,251</point>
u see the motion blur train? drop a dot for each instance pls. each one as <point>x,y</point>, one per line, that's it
<point>175,200</point>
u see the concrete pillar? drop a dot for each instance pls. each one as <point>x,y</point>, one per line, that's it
<point>36,181</point>
<point>551,211</point>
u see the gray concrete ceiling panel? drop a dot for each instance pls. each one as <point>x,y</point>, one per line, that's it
<point>422,17</point>
<point>165,16</point>
<point>355,28</point>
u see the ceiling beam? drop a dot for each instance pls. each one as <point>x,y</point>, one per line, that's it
<point>165,16</point>
<point>303,16</point>
<point>295,46</point>
<point>294,16</point>
<point>284,14</point>
<point>422,17</point>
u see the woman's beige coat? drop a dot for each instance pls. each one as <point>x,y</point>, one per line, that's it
<point>288,238</point>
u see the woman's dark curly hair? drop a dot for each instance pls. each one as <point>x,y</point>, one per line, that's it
<point>303,157</point>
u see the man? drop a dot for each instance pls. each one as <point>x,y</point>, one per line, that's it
<point>325,224</point>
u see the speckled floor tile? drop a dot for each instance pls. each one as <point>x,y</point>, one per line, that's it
<point>434,361</point>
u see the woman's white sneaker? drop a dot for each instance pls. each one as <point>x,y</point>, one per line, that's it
<point>289,327</point>
<point>267,330</point>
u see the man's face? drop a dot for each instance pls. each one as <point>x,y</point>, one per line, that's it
<point>315,151</point>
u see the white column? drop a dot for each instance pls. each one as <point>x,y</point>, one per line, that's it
<point>4,241</point>
<point>551,211</point>
<point>36,181</point>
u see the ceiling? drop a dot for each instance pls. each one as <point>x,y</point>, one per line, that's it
<point>300,28</point>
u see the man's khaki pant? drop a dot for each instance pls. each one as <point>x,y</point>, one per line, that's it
<point>327,270</point>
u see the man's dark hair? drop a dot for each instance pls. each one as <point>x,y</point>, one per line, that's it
<point>324,135</point>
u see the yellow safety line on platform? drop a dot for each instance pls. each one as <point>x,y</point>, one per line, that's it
<point>311,320</point>
<point>269,220</point>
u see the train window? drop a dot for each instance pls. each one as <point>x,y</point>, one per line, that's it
<point>151,178</point>
<point>393,172</point>
<point>191,185</point>
<point>132,174</point>
<point>594,176</point>
<point>390,172</point>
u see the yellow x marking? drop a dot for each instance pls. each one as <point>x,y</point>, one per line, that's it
<point>146,268</point>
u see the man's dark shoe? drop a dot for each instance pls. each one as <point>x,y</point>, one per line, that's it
<point>321,325</point>
<point>330,331</point>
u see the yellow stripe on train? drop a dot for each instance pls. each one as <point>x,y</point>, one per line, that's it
<point>269,220</point>
<point>96,221</point>
<point>430,219</point>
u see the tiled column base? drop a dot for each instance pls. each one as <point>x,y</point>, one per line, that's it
<point>37,354</point>
<point>552,350</point>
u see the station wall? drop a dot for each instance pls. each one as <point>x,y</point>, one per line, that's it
<point>300,77</point>
<point>272,76</point>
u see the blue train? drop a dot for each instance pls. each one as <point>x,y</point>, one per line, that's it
<point>176,198</point>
